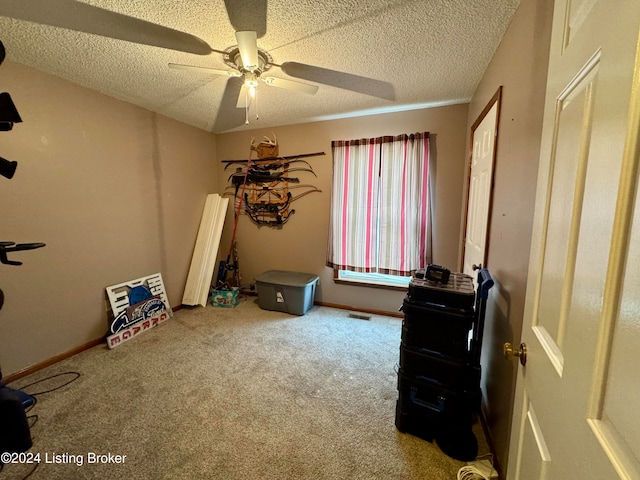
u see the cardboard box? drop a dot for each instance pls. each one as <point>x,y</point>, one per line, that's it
<point>225,298</point>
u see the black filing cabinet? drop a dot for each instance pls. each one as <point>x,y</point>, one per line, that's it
<point>439,374</point>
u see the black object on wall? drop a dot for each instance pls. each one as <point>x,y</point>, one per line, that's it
<point>8,112</point>
<point>15,436</point>
<point>7,167</point>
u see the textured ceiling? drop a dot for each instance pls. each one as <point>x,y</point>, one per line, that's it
<point>414,53</point>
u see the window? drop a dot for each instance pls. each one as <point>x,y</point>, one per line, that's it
<point>380,209</point>
<point>379,279</point>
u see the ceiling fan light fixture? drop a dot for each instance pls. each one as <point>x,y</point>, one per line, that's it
<point>251,80</point>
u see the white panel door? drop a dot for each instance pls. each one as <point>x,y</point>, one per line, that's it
<point>577,412</point>
<point>484,134</point>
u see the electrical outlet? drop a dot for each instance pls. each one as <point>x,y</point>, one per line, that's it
<point>484,468</point>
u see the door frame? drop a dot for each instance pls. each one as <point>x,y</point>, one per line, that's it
<point>497,98</point>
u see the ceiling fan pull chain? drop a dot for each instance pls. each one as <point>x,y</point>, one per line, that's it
<point>256,98</point>
<point>246,108</point>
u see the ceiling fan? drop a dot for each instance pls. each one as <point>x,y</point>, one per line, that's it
<point>247,62</point>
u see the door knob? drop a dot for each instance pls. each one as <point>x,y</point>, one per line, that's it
<point>521,352</point>
<point>475,267</point>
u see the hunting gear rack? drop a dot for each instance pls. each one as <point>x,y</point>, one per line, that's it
<point>264,190</point>
<point>268,189</point>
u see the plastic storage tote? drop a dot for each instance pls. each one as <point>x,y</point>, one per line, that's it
<point>290,292</point>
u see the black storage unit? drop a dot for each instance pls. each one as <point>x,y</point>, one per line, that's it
<point>458,292</point>
<point>442,330</point>
<point>439,374</point>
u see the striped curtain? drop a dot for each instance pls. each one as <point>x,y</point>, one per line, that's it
<point>353,237</point>
<point>380,212</point>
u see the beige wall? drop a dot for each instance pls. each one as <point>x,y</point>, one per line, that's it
<point>116,192</point>
<point>300,245</point>
<point>520,66</point>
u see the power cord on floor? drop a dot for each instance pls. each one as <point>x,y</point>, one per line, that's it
<point>33,419</point>
<point>75,376</point>
<point>479,469</point>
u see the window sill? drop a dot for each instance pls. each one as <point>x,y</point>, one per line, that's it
<point>359,283</point>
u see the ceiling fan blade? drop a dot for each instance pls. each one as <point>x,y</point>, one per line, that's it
<point>213,71</point>
<point>248,46</point>
<point>290,85</point>
<point>229,116</point>
<point>248,15</point>
<point>85,18</point>
<point>346,81</point>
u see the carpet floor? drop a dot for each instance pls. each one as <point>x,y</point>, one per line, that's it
<point>239,393</point>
